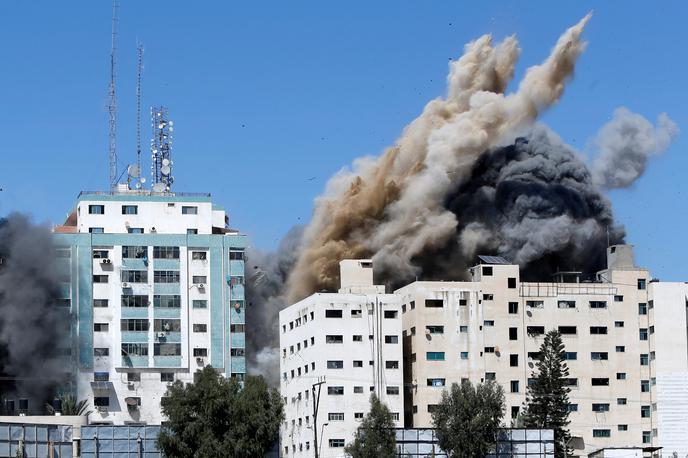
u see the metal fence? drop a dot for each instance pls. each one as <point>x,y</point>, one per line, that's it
<point>119,442</point>
<point>36,441</point>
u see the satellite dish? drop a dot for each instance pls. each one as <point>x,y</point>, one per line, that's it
<point>143,180</point>
<point>159,187</point>
<point>165,161</point>
<point>133,171</point>
<point>138,185</point>
<point>165,169</point>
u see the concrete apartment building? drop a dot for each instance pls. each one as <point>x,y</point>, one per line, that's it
<point>624,336</point>
<point>156,293</point>
<point>350,341</point>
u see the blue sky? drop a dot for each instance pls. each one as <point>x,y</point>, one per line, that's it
<point>269,99</point>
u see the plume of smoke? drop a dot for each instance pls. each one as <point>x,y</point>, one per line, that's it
<point>625,145</point>
<point>33,328</point>
<point>266,277</point>
<point>393,209</point>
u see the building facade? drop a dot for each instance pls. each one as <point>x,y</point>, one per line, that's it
<point>351,342</point>
<point>156,292</point>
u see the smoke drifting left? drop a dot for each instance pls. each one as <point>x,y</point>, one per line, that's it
<point>34,330</point>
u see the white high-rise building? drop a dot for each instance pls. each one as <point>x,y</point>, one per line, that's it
<point>350,341</point>
<point>156,293</point>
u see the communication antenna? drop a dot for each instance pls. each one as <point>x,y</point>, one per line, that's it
<point>139,49</point>
<point>161,150</point>
<point>112,106</point>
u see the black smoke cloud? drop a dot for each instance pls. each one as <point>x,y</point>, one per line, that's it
<point>34,329</point>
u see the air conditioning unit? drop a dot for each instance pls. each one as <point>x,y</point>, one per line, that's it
<point>152,229</point>
<point>105,261</point>
<point>161,334</point>
<point>199,360</point>
<point>125,285</point>
<point>201,286</point>
<point>101,409</point>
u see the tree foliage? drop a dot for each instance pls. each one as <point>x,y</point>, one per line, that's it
<point>547,397</point>
<point>215,417</point>
<point>468,418</point>
<point>70,406</point>
<point>375,437</point>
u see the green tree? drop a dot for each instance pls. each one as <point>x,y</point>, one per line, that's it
<point>215,417</point>
<point>547,397</point>
<point>375,437</point>
<point>468,418</point>
<point>70,406</point>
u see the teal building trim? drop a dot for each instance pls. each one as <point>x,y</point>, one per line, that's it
<point>134,336</point>
<point>167,312</point>
<point>167,361</point>
<point>170,337</point>
<point>134,312</point>
<point>134,361</point>
<point>166,264</point>
<point>238,340</point>
<point>217,307</point>
<point>166,288</point>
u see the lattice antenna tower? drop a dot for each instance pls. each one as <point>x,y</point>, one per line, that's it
<point>161,150</point>
<point>112,106</point>
<point>139,49</point>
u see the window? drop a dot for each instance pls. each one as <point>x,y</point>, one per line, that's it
<point>599,356</point>
<point>167,301</point>
<point>96,209</point>
<point>490,376</point>
<point>101,401</point>
<point>487,271</point>
<point>100,327</point>
<point>434,356</point>
<point>134,252</point>
<point>513,333</point>
<point>358,363</point>
<point>642,308</point>
<point>488,297</point>
<point>199,304</point>
<point>622,427</point>
<point>463,328</point>
<point>618,298</point>
<point>463,301</point>
<point>391,339</point>
<point>644,411</point>
<point>644,359</point>
<point>135,230</point>
<point>566,304</point>
<point>514,411</point>
<point>166,276</point>
<point>642,283</point>
<point>130,210</point>
<point>620,348</point>
<point>647,437</point>
<point>391,364</point>
<point>167,325</point>
<point>644,386</point>
<point>434,303</point>
<point>199,327</point>
<point>167,349</point>
<point>166,252</point>
<point>391,313</point>
<point>336,443</point>
<point>134,276</point>
<point>488,323</point>
<point>358,338</point>
<point>134,349</point>
<point>601,433</point>
<point>621,401</point>
<point>335,364</point>
<point>191,231</point>
<point>511,283</point>
<point>618,324</point>
<point>434,329</point>
<point>100,254</point>
<point>189,210</point>
<point>100,279</point>
<point>101,376</point>
<point>100,303</point>
<point>335,390</point>
<point>357,313</point>
<point>514,386</point>
<point>358,390</point>
<point>534,331</point>
<point>335,416</point>
<point>96,230</point>
<point>236,254</point>
<point>199,279</point>
<point>393,390</point>
<point>570,355</point>
<point>436,382</point>
<point>134,325</point>
<point>513,307</point>
<point>464,355</point>
<point>596,330</point>
<point>643,333</point>
<point>598,304</point>
<point>334,339</point>
<point>535,304</point>
<point>203,352</point>
<point>333,313</point>
<point>167,376</point>
<point>600,382</point>
<point>567,330</point>
<point>138,301</point>
<point>489,349</point>
<point>100,352</point>
<point>513,360</point>
<point>239,352</point>
<point>536,355</point>
<point>621,376</point>
<point>133,376</point>
<point>240,328</point>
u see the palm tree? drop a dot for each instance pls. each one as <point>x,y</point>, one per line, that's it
<point>70,406</point>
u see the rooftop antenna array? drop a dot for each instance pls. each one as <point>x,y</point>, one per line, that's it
<point>134,178</point>
<point>112,106</point>
<point>161,150</point>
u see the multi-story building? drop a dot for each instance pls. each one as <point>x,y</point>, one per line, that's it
<point>156,293</point>
<point>624,334</point>
<point>350,341</point>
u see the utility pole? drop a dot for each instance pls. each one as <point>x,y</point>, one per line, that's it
<point>316,405</point>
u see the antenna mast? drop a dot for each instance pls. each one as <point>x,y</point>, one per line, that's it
<point>112,106</point>
<point>138,106</point>
<point>161,150</point>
